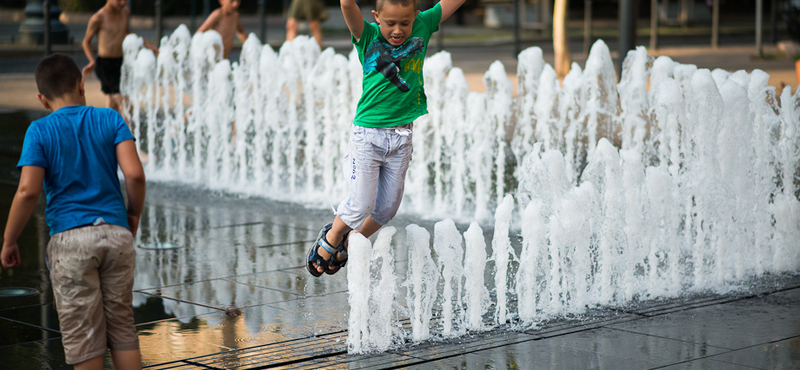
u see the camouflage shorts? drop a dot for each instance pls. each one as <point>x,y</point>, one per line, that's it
<point>308,10</point>
<point>91,269</point>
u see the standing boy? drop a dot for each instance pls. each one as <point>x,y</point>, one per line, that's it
<point>74,153</point>
<point>225,20</point>
<point>311,11</point>
<point>391,52</point>
<point>110,24</point>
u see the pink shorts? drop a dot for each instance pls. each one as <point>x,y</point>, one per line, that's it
<point>91,269</point>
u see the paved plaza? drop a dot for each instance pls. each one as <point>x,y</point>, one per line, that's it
<point>220,281</point>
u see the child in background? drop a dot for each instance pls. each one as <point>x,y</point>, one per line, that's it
<point>225,20</point>
<point>74,153</point>
<point>110,25</point>
<point>311,11</point>
<point>392,51</point>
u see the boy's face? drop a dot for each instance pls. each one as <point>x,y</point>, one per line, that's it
<point>396,22</point>
<point>229,6</point>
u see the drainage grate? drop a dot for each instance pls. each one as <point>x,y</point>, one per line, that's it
<point>160,246</point>
<point>10,292</point>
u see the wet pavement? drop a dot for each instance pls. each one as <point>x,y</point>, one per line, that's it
<point>234,294</point>
<point>220,284</point>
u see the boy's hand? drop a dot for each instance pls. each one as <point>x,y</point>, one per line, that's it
<point>88,69</point>
<point>10,255</point>
<point>133,224</point>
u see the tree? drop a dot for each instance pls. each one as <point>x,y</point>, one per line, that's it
<point>560,38</point>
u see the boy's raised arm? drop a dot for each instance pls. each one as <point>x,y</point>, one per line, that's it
<point>449,7</point>
<point>353,17</point>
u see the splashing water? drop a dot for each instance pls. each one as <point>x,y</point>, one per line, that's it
<point>449,247</point>
<point>624,192</point>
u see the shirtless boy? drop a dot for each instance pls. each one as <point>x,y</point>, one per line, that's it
<point>110,24</point>
<point>225,20</point>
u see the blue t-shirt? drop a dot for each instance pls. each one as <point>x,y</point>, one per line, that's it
<point>76,146</point>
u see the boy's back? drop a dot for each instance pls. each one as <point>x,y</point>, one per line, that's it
<point>74,153</point>
<point>77,147</point>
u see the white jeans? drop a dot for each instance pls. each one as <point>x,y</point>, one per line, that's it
<point>375,170</point>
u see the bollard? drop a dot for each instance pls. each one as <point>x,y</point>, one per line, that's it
<point>517,46</point>
<point>627,31</point>
<point>653,25</point>
<point>192,15</point>
<point>159,20</point>
<point>262,21</point>
<point>587,26</point>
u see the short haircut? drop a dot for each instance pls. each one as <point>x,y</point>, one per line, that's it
<point>57,75</point>
<point>379,3</point>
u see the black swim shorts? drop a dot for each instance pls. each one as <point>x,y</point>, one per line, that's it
<point>108,71</point>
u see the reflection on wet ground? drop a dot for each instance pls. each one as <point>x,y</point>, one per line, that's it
<point>232,292</point>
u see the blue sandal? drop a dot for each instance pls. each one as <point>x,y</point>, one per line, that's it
<point>314,258</point>
<point>334,262</point>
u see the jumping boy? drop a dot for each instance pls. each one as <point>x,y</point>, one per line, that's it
<point>110,25</point>
<point>391,52</point>
<point>225,20</point>
<point>74,153</point>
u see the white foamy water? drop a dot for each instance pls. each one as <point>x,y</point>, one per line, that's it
<point>421,282</point>
<point>358,284</point>
<point>621,192</point>
<point>449,248</point>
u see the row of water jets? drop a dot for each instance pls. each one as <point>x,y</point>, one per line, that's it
<point>675,179</point>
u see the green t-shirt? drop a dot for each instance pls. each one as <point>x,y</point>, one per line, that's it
<point>393,92</point>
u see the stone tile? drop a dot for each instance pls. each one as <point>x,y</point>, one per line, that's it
<point>783,354</point>
<point>221,294</point>
<point>311,316</point>
<point>438,348</point>
<point>40,317</point>
<point>383,361</point>
<point>299,284</point>
<point>15,333</point>
<point>733,325</point>
<point>599,348</point>
<point>708,364</point>
<point>47,354</point>
<point>150,309</point>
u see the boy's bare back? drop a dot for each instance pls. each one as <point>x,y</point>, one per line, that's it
<point>225,20</point>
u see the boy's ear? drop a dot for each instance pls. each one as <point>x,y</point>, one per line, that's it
<point>81,87</point>
<point>42,99</point>
<point>375,14</point>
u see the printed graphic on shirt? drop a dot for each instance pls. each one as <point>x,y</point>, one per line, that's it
<point>384,58</point>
